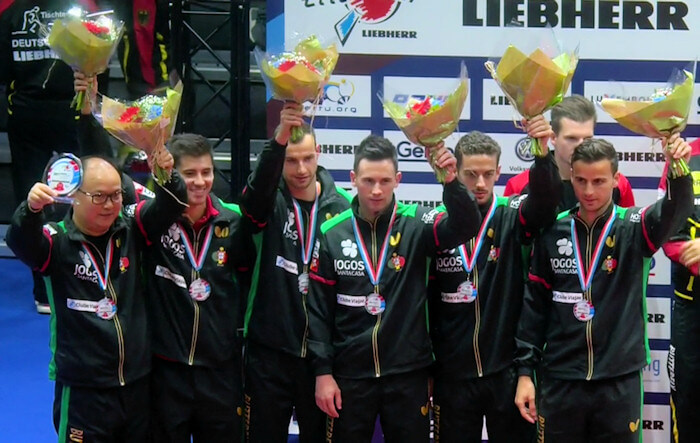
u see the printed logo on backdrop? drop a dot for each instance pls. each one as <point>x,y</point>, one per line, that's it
<point>596,91</point>
<point>694,117</point>
<point>655,375</point>
<point>338,147</point>
<point>370,12</point>
<point>345,96</point>
<point>522,150</point>
<point>589,15</point>
<point>656,423</point>
<point>659,318</point>
<point>402,90</point>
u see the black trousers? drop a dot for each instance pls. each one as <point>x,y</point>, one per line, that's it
<point>459,407</point>
<point>684,368</point>
<point>276,383</point>
<point>196,403</point>
<point>102,415</point>
<point>400,400</point>
<point>573,411</point>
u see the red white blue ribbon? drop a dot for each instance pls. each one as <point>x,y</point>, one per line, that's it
<point>586,278</point>
<point>469,262</point>
<point>101,277</point>
<point>374,274</point>
<point>307,240</point>
<point>197,262</point>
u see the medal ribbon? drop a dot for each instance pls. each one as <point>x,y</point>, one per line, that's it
<point>308,245</point>
<point>374,274</point>
<point>197,262</point>
<point>101,277</point>
<point>468,263</point>
<point>586,278</point>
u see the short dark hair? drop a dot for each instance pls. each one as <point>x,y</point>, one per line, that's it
<point>375,148</point>
<point>595,149</point>
<point>190,145</point>
<point>575,107</point>
<point>476,143</point>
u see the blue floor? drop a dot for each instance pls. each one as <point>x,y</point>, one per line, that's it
<point>26,394</point>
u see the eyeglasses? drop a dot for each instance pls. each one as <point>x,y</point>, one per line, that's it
<point>99,198</point>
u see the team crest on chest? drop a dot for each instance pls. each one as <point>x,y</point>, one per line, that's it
<point>609,264</point>
<point>494,252</point>
<point>220,256</point>
<point>396,262</point>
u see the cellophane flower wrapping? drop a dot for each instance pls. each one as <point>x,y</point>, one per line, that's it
<point>664,112</point>
<point>429,121</point>
<point>146,123</point>
<point>299,75</point>
<point>534,82</point>
<point>84,42</point>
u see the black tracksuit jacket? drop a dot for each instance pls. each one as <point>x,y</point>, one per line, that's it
<point>202,333</point>
<point>478,338</point>
<point>276,315</point>
<point>345,339</point>
<point>613,342</point>
<point>87,350</point>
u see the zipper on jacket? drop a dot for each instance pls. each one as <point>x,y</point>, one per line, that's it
<point>120,338</point>
<point>477,319</point>
<point>303,296</point>
<point>195,303</point>
<point>117,324</point>
<point>589,296</point>
<point>306,325</point>
<point>375,331</point>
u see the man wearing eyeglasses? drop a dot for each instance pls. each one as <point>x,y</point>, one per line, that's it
<point>91,265</point>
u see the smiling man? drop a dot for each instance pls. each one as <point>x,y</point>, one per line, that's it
<point>368,339</point>
<point>583,324</point>
<point>91,262</point>
<point>196,306</point>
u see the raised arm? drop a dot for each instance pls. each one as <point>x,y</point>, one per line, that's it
<point>26,235</point>
<point>257,201</point>
<point>666,217</point>
<point>462,219</point>
<point>154,216</point>
<point>539,209</point>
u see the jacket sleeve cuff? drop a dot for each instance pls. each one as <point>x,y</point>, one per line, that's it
<point>323,369</point>
<point>525,370</point>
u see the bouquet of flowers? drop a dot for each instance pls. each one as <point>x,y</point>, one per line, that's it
<point>146,123</point>
<point>85,42</point>
<point>534,83</point>
<point>427,122</point>
<point>663,113</point>
<point>299,75</point>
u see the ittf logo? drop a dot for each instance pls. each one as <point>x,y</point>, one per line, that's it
<point>367,11</point>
